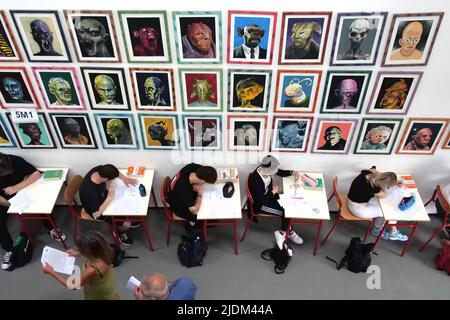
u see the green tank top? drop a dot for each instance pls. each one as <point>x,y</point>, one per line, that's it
<point>101,288</point>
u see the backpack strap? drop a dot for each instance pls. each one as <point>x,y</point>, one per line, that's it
<point>341,264</point>
<point>265,255</point>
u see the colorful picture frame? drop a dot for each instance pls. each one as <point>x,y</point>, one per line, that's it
<point>201,89</point>
<point>159,131</point>
<point>6,138</point>
<point>295,48</point>
<point>16,90</point>
<point>153,89</point>
<point>60,88</point>
<point>33,135</point>
<point>41,35</point>
<point>104,48</point>
<point>74,130</point>
<point>198,36</point>
<point>297,91</point>
<point>420,29</point>
<point>9,50</point>
<point>202,132</point>
<point>117,130</point>
<point>446,144</point>
<point>247,133</point>
<point>145,36</point>
<point>422,136</point>
<point>377,135</point>
<point>345,91</point>
<point>290,133</point>
<point>393,92</point>
<point>111,91</point>
<point>249,90</point>
<point>334,136</point>
<point>357,38</point>
<point>263,25</point>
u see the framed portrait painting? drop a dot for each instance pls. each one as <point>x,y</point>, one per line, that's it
<point>249,90</point>
<point>393,92</point>
<point>203,132</point>
<point>201,89</point>
<point>41,35</point>
<point>334,135</point>
<point>9,51</point>
<point>74,130</point>
<point>247,133</point>
<point>33,135</point>
<point>16,90</point>
<point>198,36</point>
<point>251,36</point>
<point>357,38</point>
<point>290,134</point>
<point>6,139</point>
<point>60,88</point>
<point>377,135</point>
<point>446,144</point>
<point>159,131</point>
<point>93,35</point>
<point>297,91</point>
<point>106,88</point>
<point>304,37</point>
<point>145,36</point>
<point>411,39</point>
<point>422,136</point>
<point>345,91</point>
<point>153,89</point>
<point>117,131</point>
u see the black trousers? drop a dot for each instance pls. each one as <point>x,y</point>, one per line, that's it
<point>273,207</point>
<point>6,241</point>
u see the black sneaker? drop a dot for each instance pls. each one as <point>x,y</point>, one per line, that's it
<point>135,224</point>
<point>6,262</point>
<point>125,239</point>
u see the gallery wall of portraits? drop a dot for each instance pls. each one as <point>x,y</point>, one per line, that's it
<point>320,82</point>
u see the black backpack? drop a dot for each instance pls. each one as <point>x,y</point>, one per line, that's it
<point>191,250</point>
<point>357,256</point>
<point>119,255</point>
<point>281,258</point>
<point>22,251</point>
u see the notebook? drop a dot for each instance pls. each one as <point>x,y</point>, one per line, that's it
<point>318,186</point>
<point>53,174</point>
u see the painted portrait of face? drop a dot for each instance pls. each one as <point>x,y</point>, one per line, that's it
<point>159,132</point>
<point>74,131</point>
<point>377,137</point>
<point>290,134</point>
<point>117,131</point>
<point>201,90</point>
<point>33,135</point>
<point>422,137</point>
<point>249,90</point>
<point>202,133</point>
<point>15,88</point>
<point>334,135</point>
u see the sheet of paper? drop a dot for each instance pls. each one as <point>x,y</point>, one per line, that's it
<point>212,194</point>
<point>133,283</point>
<point>59,260</point>
<point>127,205</point>
<point>292,201</point>
<point>122,191</point>
<point>20,202</point>
<point>220,208</point>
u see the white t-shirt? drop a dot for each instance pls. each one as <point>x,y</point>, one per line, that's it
<point>266,181</point>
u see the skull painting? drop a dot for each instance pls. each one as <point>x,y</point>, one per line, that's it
<point>93,38</point>
<point>357,33</point>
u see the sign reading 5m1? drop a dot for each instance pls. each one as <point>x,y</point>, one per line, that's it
<point>24,116</point>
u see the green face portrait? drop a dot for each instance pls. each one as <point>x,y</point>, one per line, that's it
<point>114,128</point>
<point>106,89</point>
<point>59,88</point>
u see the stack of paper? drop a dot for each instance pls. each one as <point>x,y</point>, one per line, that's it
<point>59,260</point>
<point>20,202</point>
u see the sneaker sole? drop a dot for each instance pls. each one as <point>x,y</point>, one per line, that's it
<point>401,240</point>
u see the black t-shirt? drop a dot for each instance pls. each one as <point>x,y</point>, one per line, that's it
<point>22,169</point>
<point>92,195</point>
<point>182,194</point>
<point>361,190</point>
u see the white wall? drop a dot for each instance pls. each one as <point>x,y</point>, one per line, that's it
<point>432,98</point>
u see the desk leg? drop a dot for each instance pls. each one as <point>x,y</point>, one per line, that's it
<point>115,232</point>
<point>204,228</point>
<point>50,219</point>
<point>316,243</point>
<point>27,232</point>
<point>147,234</point>
<point>154,198</point>
<point>381,233</point>
<point>235,237</point>
<point>410,238</point>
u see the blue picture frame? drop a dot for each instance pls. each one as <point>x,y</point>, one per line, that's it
<point>101,121</point>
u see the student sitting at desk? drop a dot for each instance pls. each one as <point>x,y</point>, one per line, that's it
<point>186,189</point>
<point>440,208</point>
<point>362,202</point>
<point>97,278</point>
<point>156,287</point>
<point>15,175</point>
<point>265,196</point>
<point>95,198</point>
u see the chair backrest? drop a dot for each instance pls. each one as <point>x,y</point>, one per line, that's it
<point>336,194</point>
<point>72,189</point>
<point>443,201</point>
<point>249,197</point>
<point>165,186</point>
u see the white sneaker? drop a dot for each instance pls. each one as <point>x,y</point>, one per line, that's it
<point>54,234</point>
<point>6,262</point>
<point>280,238</point>
<point>295,238</point>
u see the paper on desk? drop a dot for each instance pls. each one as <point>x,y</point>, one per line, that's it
<point>213,194</point>
<point>20,202</point>
<point>59,260</point>
<point>133,283</point>
<point>122,191</point>
<point>127,205</point>
<point>220,208</point>
<point>297,203</point>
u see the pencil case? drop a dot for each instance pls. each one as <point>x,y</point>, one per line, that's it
<point>309,180</point>
<point>406,203</point>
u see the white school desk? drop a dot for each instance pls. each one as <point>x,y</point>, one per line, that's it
<point>315,199</point>
<point>230,210</point>
<point>391,213</point>
<point>43,195</point>
<point>118,213</point>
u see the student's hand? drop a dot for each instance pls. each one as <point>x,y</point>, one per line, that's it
<point>11,190</point>
<point>199,189</point>
<point>130,181</point>
<point>46,268</point>
<point>4,202</point>
<point>296,175</point>
<point>137,294</point>
<point>72,252</point>
<point>275,189</point>
<point>111,192</point>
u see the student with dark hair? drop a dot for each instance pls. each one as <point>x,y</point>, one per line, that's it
<point>95,198</point>
<point>97,278</point>
<point>186,189</point>
<point>15,175</point>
